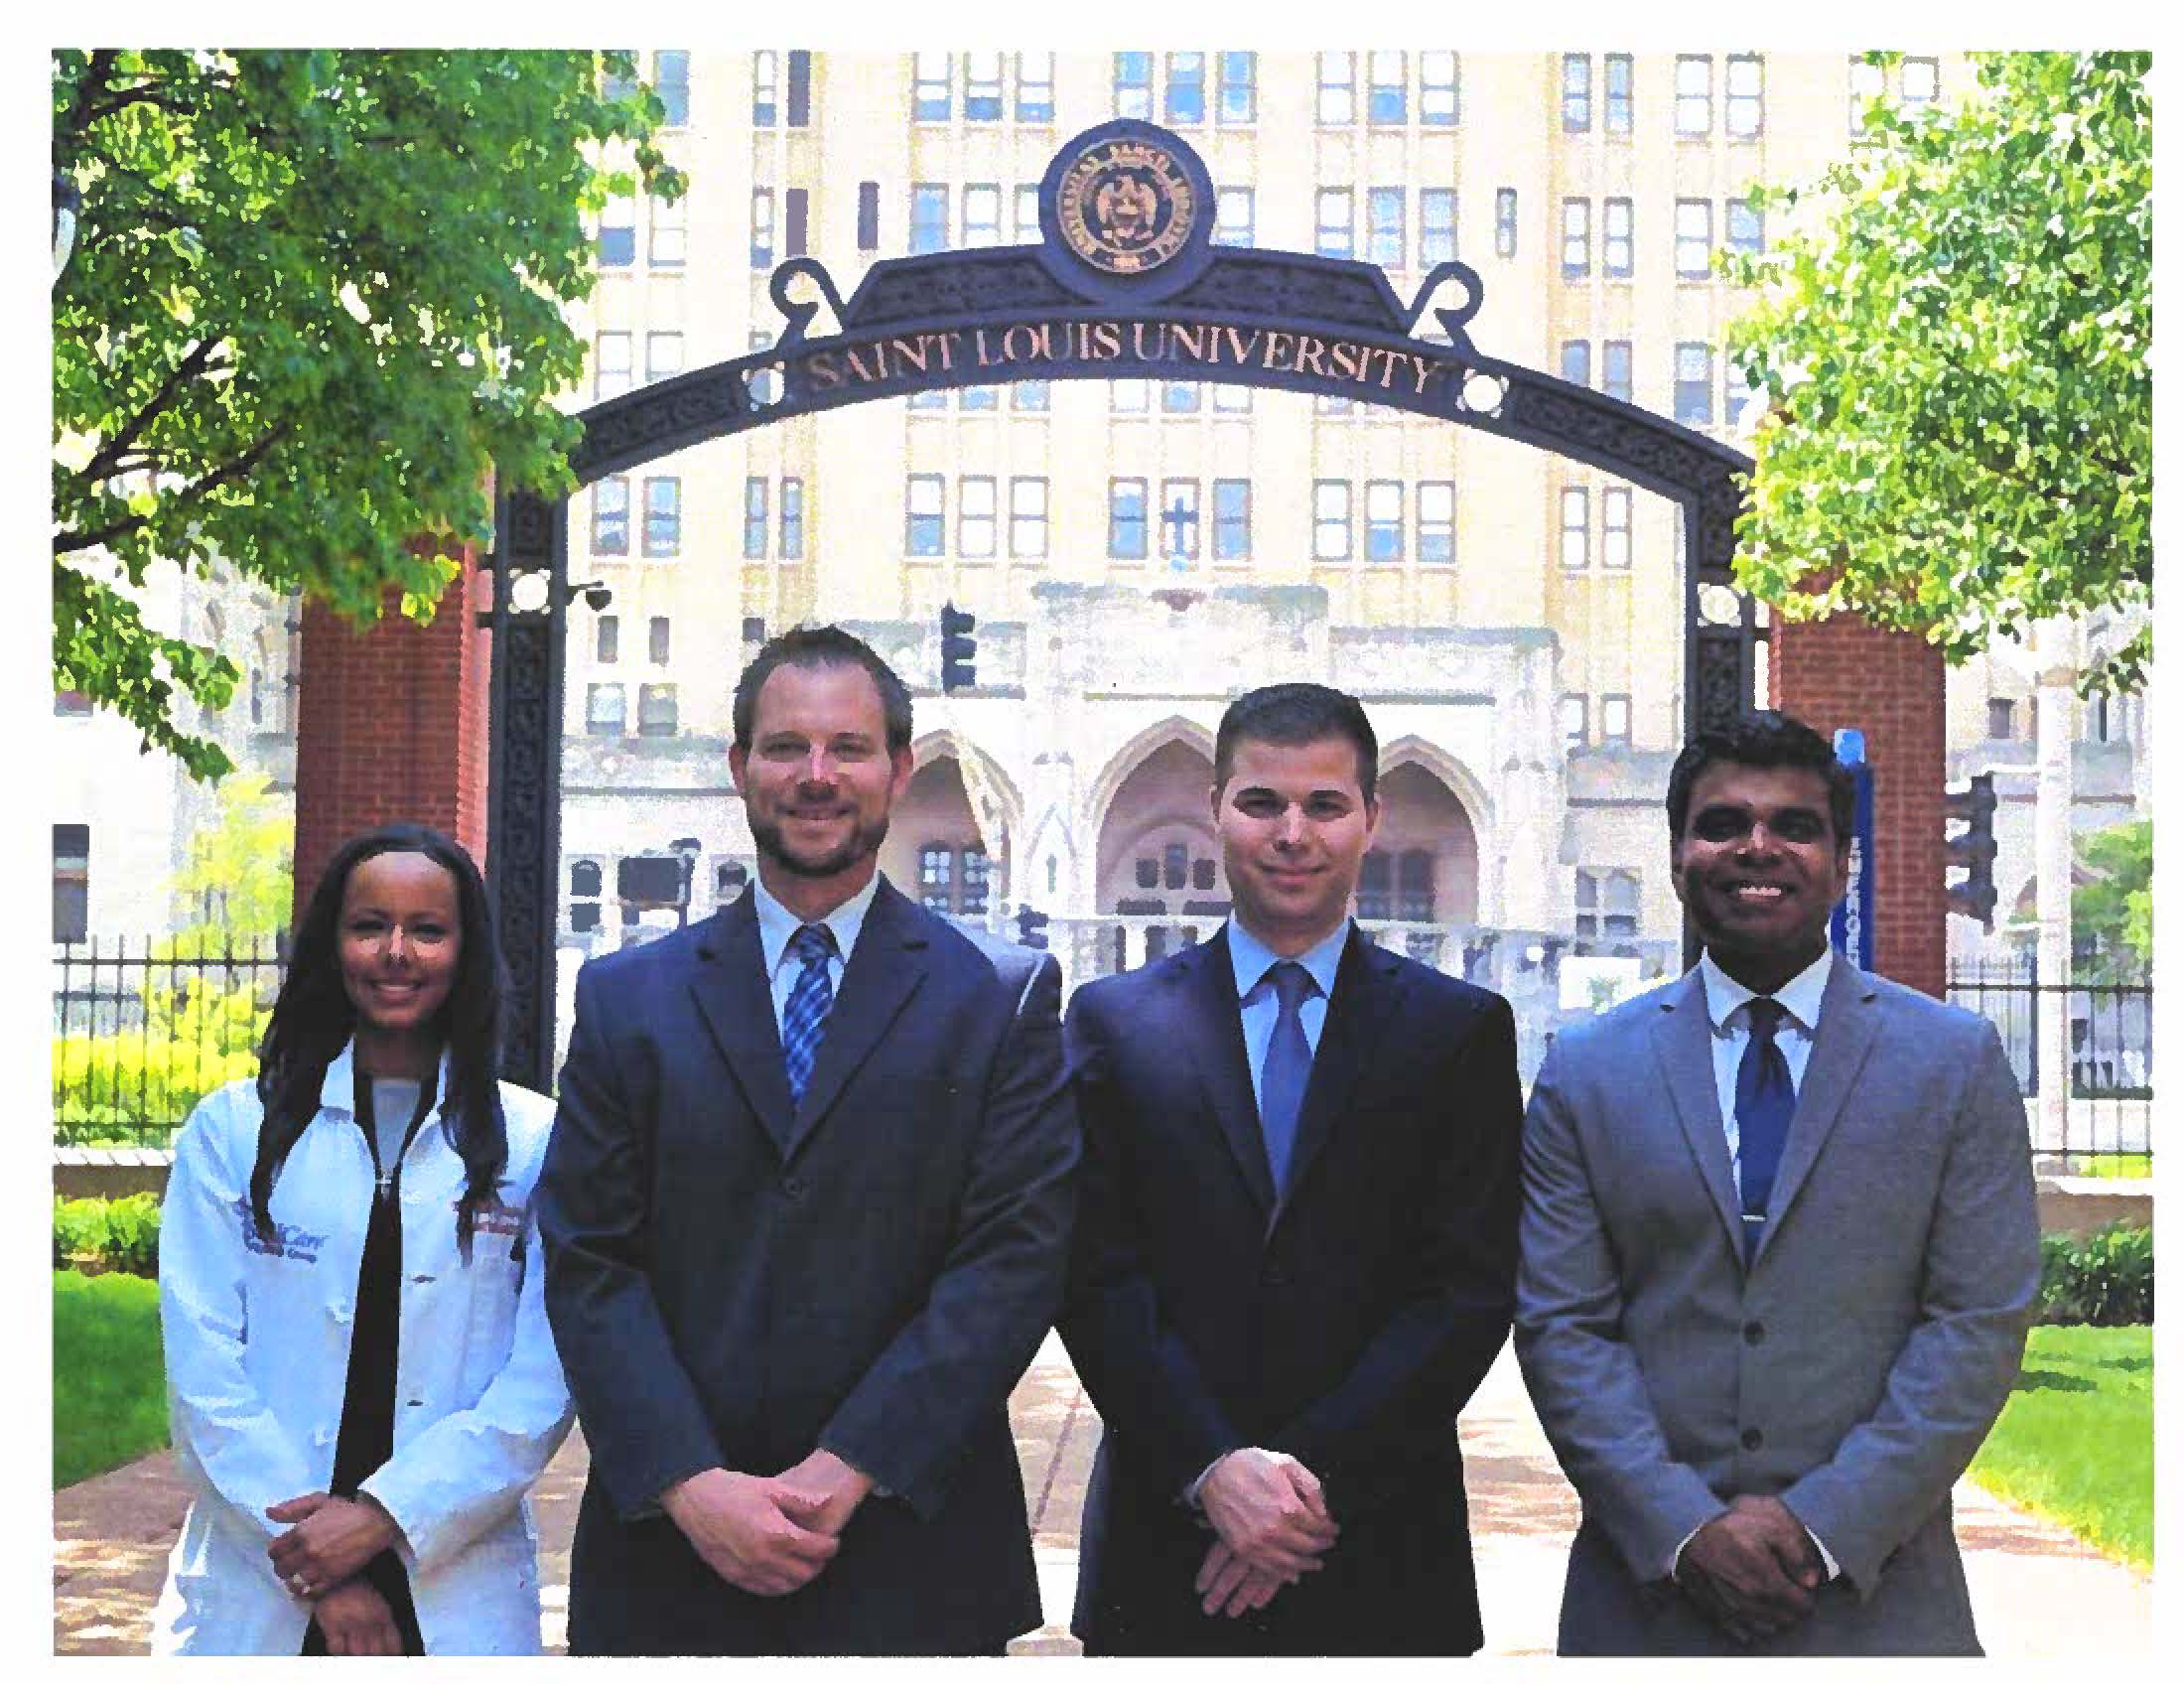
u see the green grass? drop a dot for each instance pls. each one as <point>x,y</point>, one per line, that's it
<point>109,1384</point>
<point>2075,1442</point>
<point>2110,1165</point>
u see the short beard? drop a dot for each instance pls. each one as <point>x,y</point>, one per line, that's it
<point>772,844</point>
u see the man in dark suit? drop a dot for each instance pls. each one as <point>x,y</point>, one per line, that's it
<point>1779,1254</point>
<point>806,1215</point>
<point>1295,1244</point>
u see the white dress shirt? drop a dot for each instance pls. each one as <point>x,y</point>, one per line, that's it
<point>778,925</point>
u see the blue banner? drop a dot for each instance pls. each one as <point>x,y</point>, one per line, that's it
<point>1850,926</point>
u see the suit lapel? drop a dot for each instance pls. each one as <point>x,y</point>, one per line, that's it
<point>737,1001</point>
<point>1211,1029</point>
<point>886,967</point>
<point>1848,1022</point>
<point>1366,992</point>
<point>1683,1042</point>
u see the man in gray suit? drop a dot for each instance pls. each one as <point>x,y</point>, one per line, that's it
<point>1778,1255</point>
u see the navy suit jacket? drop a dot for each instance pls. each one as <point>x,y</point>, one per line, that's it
<point>1344,1325</point>
<point>733,1281</point>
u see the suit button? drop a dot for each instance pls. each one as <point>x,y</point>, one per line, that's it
<point>794,1189</point>
<point>1274,1275</point>
<point>1752,1438</point>
<point>1755,1333</point>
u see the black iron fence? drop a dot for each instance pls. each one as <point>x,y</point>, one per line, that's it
<point>140,1035</point>
<point>2106,1127</point>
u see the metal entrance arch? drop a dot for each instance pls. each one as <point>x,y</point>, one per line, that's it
<point>1125,281</point>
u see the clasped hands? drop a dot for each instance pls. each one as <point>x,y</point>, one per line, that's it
<point>317,1557</point>
<point>1752,1570</point>
<point>1271,1523</point>
<point>768,1535</point>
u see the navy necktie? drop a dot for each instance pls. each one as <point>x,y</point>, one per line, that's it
<point>1287,1065</point>
<point>1765,1099</point>
<point>804,1018</point>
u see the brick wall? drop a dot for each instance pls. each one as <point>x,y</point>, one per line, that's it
<point>392,724</point>
<point>1845,672</point>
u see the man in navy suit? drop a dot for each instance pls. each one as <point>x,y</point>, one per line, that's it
<point>806,1214</point>
<point>1297,1243</point>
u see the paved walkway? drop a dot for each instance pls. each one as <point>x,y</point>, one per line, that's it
<point>2038,1592</point>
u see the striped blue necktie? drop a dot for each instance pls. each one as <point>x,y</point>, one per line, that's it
<point>804,1018</point>
<point>1286,1069</point>
<point>1765,1099</point>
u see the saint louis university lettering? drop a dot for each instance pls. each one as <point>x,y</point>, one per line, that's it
<point>1126,207</point>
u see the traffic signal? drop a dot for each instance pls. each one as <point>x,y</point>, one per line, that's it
<point>958,649</point>
<point>1973,849</point>
<point>1031,929</point>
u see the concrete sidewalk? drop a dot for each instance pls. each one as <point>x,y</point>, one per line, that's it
<point>2038,1592</point>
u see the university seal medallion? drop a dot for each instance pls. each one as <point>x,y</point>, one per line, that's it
<point>1126,207</point>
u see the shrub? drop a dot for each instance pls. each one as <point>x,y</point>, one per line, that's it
<point>2105,1278</point>
<point>122,1235</point>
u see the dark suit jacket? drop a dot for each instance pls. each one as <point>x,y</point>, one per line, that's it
<point>1345,1327</point>
<point>733,1283</point>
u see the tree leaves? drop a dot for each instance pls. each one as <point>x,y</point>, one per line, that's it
<point>293,273</point>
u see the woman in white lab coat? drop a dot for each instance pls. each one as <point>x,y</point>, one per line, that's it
<point>361,1378</point>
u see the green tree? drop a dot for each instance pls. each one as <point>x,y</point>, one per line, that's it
<point>1962,443</point>
<point>2112,918</point>
<point>314,297</point>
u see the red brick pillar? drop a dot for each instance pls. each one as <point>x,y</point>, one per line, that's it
<point>1845,672</point>
<point>392,724</point>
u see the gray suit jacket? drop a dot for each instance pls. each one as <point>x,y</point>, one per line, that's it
<point>1852,1370</point>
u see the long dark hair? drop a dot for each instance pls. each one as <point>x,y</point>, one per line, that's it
<point>313,1018</point>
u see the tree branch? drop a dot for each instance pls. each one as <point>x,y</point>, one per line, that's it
<point>230,471</point>
<point>86,94</point>
<point>110,454</point>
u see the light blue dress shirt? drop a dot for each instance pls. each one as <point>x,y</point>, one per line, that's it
<point>1255,997</point>
<point>776,926</point>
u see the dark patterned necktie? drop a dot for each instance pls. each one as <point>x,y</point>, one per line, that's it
<point>804,1018</point>
<point>1765,1099</point>
<point>1288,1064</point>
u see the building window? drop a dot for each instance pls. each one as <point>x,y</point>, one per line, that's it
<point>1616,239</point>
<point>1436,226</point>
<point>799,89</point>
<point>1505,223</point>
<point>1387,90</point>
<point>1126,525</point>
<point>796,205</point>
<point>979,398</point>
<point>755,515</point>
<point>584,882</point>
<point>656,712</point>
<point>1180,398</point>
<point>1415,885</point>
<point>1028,213</point>
<point>72,883</point>
<point>2001,717</point>
<point>1694,238</point>
<point>1035,87</point>
<point>1331,521</point>
<point>975,515</point>
<point>1134,84</point>
<point>1239,87</point>
<point>606,640</point>
<point>1232,221</point>
<point>1577,238</point>
<point>1615,719</point>
<point>1577,92</point>
<point>1028,515</point>
<point>1693,384</point>
<point>1737,393</point>
<point>792,519</point>
<point>662,515</point>
<point>1336,237</point>
<point>1187,87</point>
<point>1922,85</point>
<point>931,89</point>
<point>1437,88</point>
<point>605,711</point>
<point>1128,396</point>
<point>1230,399</point>
<point>929,216</point>
<point>1607,904</point>
<point>868,216</point>
<point>1693,93</point>
<point>981,214</point>
<point>657,639</point>
<point>1615,528</point>
<point>1180,519</point>
<point>925,529</point>
<point>761,228</point>
<point>671,81</point>
<point>765,77</point>
<point>936,877</point>
<point>1035,396</point>
<point>1337,101</point>
<point>1573,721</point>
<point>1577,528</point>
<point>1616,119</point>
<point>1375,898</point>
<point>982,87</point>
<point>1231,520</point>
<point>664,356</point>
<point>1748,228</point>
<point>611,364</point>
<point>1616,370</point>
<point>1383,521</point>
<point>617,233</point>
<point>611,517</point>
<point>763,382</point>
<point>1578,362</point>
<point>1745,102</point>
<point>665,252</point>
<point>1436,521</point>
<point>1384,242</point>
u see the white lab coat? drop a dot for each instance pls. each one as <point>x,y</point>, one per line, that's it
<point>257,1343</point>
